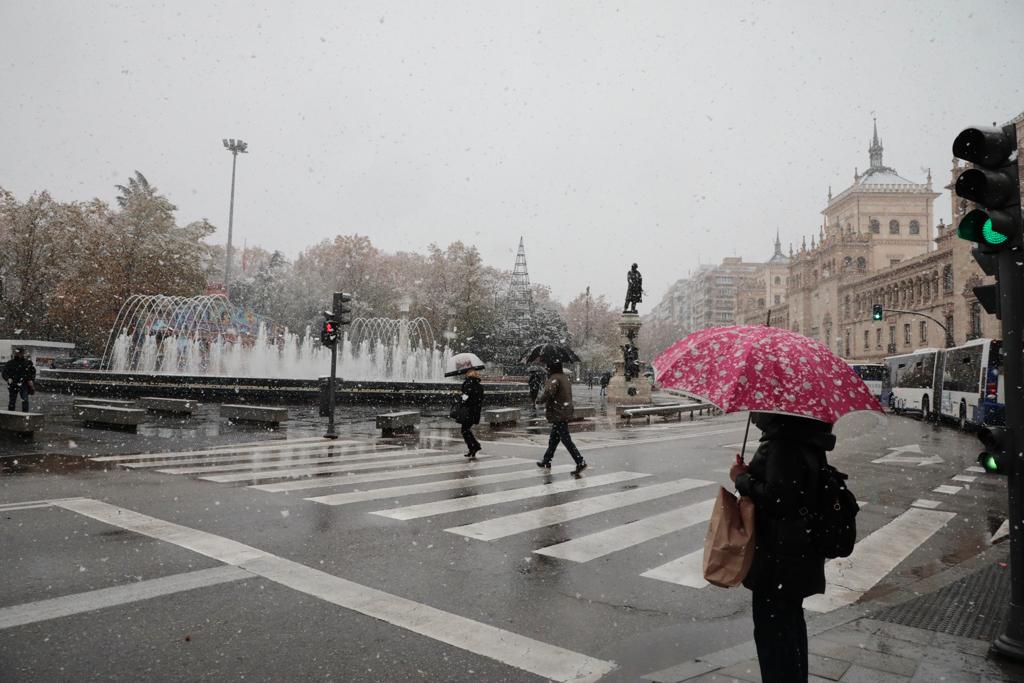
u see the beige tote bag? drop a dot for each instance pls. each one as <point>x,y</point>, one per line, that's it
<point>729,545</point>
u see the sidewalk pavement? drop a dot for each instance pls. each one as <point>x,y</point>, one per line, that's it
<point>939,629</point>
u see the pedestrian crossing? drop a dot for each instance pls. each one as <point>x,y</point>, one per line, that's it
<point>408,484</point>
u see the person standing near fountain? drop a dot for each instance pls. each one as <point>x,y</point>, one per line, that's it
<point>557,400</point>
<point>472,403</point>
<point>18,373</point>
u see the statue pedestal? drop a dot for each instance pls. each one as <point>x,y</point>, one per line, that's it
<point>620,390</point>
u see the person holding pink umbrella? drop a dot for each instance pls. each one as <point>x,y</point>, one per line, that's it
<point>782,480</point>
<point>794,389</point>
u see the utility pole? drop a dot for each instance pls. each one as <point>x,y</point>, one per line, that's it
<point>236,147</point>
<point>586,324</point>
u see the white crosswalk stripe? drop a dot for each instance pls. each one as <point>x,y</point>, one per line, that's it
<point>847,579</point>
<point>617,538</point>
<point>254,457</point>
<point>557,514</point>
<point>265,447</point>
<point>430,486</point>
<point>322,469</point>
<point>468,502</point>
<point>343,478</point>
<point>259,465</point>
<point>687,570</point>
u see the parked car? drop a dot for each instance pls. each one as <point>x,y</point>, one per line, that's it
<point>85,364</point>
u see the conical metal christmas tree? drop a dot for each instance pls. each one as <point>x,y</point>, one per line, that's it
<point>520,298</point>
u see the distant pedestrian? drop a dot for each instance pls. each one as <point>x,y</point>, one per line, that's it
<point>605,378</point>
<point>536,381</point>
<point>19,372</point>
<point>782,480</point>
<point>472,403</point>
<point>557,400</point>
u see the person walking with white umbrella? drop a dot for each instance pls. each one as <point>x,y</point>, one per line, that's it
<point>466,410</point>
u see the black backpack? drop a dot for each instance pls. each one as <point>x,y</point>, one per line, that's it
<point>834,524</point>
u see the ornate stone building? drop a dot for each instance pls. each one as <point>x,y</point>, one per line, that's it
<point>764,291</point>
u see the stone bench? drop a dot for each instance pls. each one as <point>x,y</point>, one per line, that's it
<point>583,412</point>
<point>621,408</point>
<point>403,422</point>
<point>264,415</point>
<point>497,417</point>
<point>116,417</point>
<point>158,404</point>
<point>22,424</point>
<point>87,401</point>
<point>667,411</point>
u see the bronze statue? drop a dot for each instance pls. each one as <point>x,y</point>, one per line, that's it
<point>634,290</point>
<point>631,358</point>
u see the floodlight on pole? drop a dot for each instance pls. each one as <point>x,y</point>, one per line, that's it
<point>236,147</point>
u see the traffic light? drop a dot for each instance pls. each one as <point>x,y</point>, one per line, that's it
<point>988,295</point>
<point>994,459</point>
<point>343,307</point>
<point>993,185</point>
<point>329,332</point>
<point>877,312</point>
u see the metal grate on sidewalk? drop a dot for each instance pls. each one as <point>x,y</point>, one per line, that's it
<point>973,607</point>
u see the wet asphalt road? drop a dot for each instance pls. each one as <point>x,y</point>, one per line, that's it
<point>268,625</point>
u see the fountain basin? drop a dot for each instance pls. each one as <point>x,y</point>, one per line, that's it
<point>213,389</point>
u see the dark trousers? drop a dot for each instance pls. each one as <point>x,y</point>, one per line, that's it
<point>780,634</point>
<point>467,434</point>
<point>14,390</point>
<point>560,432</point>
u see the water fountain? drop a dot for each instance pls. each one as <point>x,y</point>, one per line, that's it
<point>205,347</point>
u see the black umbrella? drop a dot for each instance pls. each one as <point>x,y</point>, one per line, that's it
<point>549,352</point>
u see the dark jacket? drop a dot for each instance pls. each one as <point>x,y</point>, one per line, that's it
<point>557,398</point>
<point>783,480</point>
<point>472,399</point>
<point>18,370</point>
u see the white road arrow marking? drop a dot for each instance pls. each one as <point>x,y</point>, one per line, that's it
<point>903,455</point>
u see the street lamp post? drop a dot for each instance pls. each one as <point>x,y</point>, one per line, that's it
<point>235,147</point>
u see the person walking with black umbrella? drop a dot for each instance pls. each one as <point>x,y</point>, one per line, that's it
<point>467,408</point>
<point>557,400</point>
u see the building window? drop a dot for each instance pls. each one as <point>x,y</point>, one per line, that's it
<point>947,279</point>
<point>894,227</point>
<point>778,280</point>
<point>862,263</point>
<point>878,337</point>
<point>893,262</point>
<point>949,329</point>
<point>847,262</point>
<point>924,331</point>
<point>866,340</point>
<point>892,337</point>
<point>906,334</point>
<point>875,226</point>
<point>975,320</point>
<point>915,228</point>
<point>778,299</point>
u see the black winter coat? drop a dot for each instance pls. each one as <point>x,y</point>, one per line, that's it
<point>472,400</point>
<point>18,370</point>
<point>783,480</point>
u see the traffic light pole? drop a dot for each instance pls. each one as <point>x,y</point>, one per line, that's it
<point>1011,285</point>
<point>331,433</point>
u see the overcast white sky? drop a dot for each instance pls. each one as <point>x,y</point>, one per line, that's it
<point>603,133</point>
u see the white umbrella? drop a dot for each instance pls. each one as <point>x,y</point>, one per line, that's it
<point>461,363</point>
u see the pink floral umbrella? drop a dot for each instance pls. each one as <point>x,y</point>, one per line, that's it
<point>767,369</point>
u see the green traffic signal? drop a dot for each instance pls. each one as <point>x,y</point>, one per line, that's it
<point>992,184</point>
<point>877,312</point>
<point>994,459</point>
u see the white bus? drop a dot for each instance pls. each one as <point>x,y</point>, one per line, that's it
<point>873,374</point>
<point>972,384</point>
<point>912,379</point>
